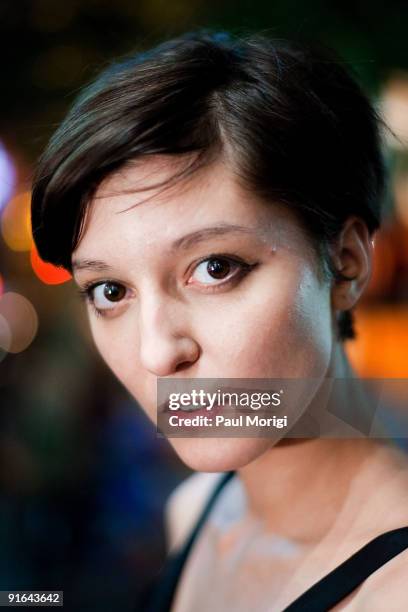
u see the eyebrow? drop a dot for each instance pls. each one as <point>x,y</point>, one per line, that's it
<point>183,243</point>
<point>197,236</point>
<point>90,264</point>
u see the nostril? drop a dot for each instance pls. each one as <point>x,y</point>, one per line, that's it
<point>183,365</point>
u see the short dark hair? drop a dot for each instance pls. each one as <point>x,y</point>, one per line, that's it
<point>296,126</point>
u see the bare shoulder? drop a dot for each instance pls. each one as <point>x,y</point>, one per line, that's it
<point>385,589</point>
<point>184,505</point>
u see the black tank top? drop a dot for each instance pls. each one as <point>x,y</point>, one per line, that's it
<point>320,597</point>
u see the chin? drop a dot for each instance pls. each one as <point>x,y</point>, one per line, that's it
<point>219,454</point>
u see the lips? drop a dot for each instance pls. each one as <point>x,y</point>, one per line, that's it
<point>189,408</point>
<point>205,406</point>
<point>195,411</point>
<point>204,410</point>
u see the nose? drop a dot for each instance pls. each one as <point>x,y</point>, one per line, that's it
<point>166,344</point>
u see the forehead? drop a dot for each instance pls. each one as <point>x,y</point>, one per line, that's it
<point>130,209</point>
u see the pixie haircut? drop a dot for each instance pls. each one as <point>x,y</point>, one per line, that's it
<point>294,125</point>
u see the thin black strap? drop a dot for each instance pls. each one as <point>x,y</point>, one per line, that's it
<point>340,582</point>
<point>161,592</point>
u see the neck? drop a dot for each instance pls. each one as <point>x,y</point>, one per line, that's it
<point>299,486</point>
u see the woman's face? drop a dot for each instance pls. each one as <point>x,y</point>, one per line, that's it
<point>202,280</point>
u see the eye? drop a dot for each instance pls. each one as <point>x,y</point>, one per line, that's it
<point>107,294</point>
<point>217,268</point>
<point>103,296</point>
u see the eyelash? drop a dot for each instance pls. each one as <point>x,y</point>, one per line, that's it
<point>86,291</point>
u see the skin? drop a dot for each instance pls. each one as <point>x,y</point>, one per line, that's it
<point>165,309</point>
<point>278,320</point>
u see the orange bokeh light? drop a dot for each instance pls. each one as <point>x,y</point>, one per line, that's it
<point>380,349</point>
<point>15,223</point>
<point>46,272</point>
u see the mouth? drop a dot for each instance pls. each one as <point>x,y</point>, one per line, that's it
<point>208,407</point>
<point>204,408</point>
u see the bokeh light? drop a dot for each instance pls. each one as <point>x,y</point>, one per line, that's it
<point>394,107</point>
<point>381,350</point>
<point>15,223</point>
<point>401,197</point>
<point>46,272</point>
<point>5,337</point>
<point>7,176</point>
<point>21,318</point>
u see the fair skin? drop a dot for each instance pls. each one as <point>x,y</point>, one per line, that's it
<point>276,320</point>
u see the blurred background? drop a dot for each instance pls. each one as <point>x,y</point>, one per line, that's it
<point>83,476</point>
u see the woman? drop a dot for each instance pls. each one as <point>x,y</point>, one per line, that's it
<point>216,199</point>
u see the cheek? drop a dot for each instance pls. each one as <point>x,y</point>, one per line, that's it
<point>114,344</point>
<point>281,328</point>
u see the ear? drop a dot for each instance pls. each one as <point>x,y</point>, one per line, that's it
<point>352,256</point>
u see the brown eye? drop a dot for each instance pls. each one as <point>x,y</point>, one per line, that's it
<point>213,269</point>
<point>218,268</point>
<point>105,295</point>
<point>113,292</point>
